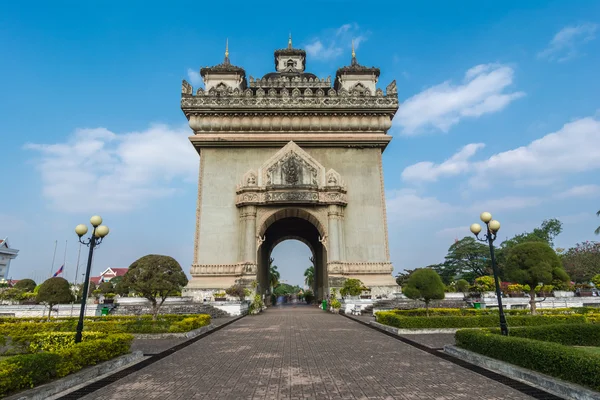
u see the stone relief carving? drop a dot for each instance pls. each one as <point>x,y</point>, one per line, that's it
<point>334,178</point>
<point>186,88</point>
<point>391,88</point>
<point>291,166</point>
<point>343,267</point>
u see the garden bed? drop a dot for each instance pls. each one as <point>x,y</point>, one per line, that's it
<point>51,355</point>
<point>553,355</point>
<point>391,318</point>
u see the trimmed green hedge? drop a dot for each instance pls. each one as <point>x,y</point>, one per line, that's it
<point>566,334</point>
<point>421,312</point>
<point>45,341</point>
<point>126,324</point>
<point>28,370</point>
<point>568,363</point>
<point>479,321</point>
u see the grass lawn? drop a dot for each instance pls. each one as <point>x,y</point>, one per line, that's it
<point>590,349</point>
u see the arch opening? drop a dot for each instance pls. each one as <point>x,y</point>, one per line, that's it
<point>285,225</point>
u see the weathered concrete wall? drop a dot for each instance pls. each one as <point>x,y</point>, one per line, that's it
<point>193,308</point>
<point>364,224</point>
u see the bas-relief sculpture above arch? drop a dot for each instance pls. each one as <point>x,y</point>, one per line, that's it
<point>290,157</point>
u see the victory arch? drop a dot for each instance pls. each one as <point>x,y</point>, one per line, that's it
<point>290,156</point>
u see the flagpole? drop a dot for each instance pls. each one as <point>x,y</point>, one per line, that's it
<point>76,274</point>
<point>53,258</point>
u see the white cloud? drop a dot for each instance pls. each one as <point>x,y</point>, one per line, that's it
<point>580,191</point>
<point>506,203</point>
<point>456,232</point>
<point>406,204</point>
<point>574,148</point>
<point>565,43</point>
<point>194,77</point>
<point>334,42</point>
<point>97,170</point>
<point>483,91</point>
<point>429,171</point>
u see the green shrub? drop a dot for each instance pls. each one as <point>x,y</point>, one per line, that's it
<point>566,334</point>
<point>190,323</point>
<point>568,363</point>
<point>92,352</point>
<point>55,341</point>
<point>26,371</point>
<point>419,312</point>
<point>477,321</point>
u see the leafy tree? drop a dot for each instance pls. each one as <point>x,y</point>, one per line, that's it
<point>462,285</point>
<point>403,276</point>
<point>597,231</point>
<point>582,262</point>
<point>273,274</point>
<point>54,291</point>
<point>155,277</point>
<point>284,289</point>
<point>465,256</point>
<point>533,263</point>
<point>26,285</point>
<point>548,230</point>
<point>425,285</point>
<point>352,287</point>
<point>106,287</point>
<point>596,281</point>
<point>484,284</point>
<point>309,276</point>
<point>120,287</point>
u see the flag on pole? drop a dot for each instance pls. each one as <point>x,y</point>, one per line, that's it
<point>60,270</point>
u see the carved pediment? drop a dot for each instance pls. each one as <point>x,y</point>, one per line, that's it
<point>292,166</point>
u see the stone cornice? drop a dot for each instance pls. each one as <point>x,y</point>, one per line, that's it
<point>270,196</point>
<point>330,139</point>
<point>361,268</point>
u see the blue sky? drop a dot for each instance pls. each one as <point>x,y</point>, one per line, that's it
<point>500,112</point>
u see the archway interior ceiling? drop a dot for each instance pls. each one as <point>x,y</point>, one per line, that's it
<point>292,228</point>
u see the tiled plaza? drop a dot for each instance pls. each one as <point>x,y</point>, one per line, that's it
<point>302,353</point>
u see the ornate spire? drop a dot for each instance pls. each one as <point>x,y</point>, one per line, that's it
<point>290,41</point>
<point>354,62</point>
<point>226,61</point>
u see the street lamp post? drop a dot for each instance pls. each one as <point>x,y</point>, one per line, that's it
<point>492,227</point>
<point>98,233</point>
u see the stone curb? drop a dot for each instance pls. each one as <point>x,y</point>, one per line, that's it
<point>88,373</point>
<point>398,331</point>
<point>550,384</point>
<point>182,335</point>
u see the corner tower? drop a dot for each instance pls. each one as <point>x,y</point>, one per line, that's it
<point>290,156</point>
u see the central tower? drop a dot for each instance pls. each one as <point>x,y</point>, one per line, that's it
<point>290,156</point>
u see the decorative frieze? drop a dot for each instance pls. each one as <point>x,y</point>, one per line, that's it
<point>223,269</point>
<point>349,268</point>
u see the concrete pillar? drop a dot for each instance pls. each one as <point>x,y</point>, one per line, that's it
<point>249,216</point>
<point>341,238</point>
<point>333,239</point>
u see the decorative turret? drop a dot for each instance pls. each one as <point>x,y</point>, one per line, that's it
<point>356,77</point>
<point>224,76</point>
<point>290,59</point>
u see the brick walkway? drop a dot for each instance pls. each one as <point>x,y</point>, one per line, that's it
<point>303,353</point>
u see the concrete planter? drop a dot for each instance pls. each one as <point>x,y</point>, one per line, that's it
<point>564,293</point>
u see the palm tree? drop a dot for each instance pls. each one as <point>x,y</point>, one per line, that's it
<point>273,274</point>
<point>597,231</point>
<point>309,275</point>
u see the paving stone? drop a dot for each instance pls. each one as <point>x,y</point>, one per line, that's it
<point>303,353</point>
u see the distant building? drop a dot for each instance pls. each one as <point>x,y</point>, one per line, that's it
<point>109,274</point>
<point>6,255</point>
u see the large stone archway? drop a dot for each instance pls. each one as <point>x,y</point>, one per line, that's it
<point>290,156</point>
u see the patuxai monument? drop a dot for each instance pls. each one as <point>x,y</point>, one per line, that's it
<point>290,156</point>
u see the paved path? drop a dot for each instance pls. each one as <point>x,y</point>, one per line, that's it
<point>303,353</point>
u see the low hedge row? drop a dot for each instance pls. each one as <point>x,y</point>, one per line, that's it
<point>565,334</point>
<point>45,341</point>
<point>477,321</point>
<point>167,317</point>
<point>28,370</point>
<point>568,363</point>
<point>422,312</point>
<point>109,325</point>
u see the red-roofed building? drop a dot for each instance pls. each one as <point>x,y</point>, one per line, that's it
<point>108,274</point>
